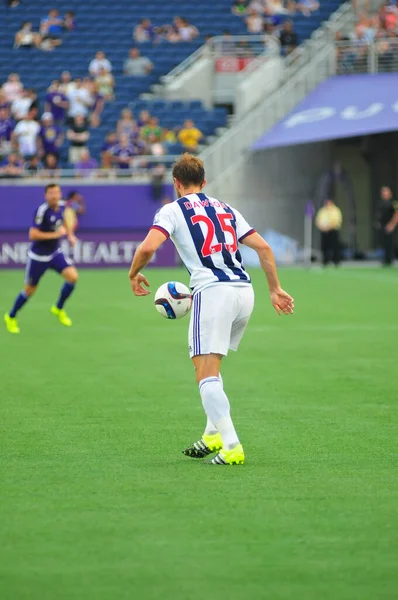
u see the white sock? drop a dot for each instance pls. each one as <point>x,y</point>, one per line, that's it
<point>217,409</point>
<point>210,428</point>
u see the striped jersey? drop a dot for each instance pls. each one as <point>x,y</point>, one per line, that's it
<point>206,233</point>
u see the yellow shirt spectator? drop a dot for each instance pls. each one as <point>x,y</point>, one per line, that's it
<point>190,136</point>
<point>329,217</point>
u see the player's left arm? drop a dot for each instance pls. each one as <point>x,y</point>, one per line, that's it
<point>142,257</point>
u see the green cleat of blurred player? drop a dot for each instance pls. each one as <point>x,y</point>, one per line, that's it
<point>206,233</point>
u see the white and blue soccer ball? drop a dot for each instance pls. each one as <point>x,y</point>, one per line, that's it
<point>173,300</point>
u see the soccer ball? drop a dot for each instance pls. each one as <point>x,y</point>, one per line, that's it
<point>173,300</point>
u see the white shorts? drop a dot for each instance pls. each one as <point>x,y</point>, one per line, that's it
<point>219,317</point>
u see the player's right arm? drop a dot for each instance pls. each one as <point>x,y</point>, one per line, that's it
<point>280,299</point>
<point>35,235</point>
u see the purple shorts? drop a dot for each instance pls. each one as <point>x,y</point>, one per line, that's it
<point>35,269</point>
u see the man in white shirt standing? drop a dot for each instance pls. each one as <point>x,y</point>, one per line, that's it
<point>98,63</point>
<point>25,136</point>
<point>79,100</point>
<point>20,107</point>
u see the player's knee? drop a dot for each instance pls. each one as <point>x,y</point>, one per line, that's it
<point>30,289</point>
<point>72,277</point>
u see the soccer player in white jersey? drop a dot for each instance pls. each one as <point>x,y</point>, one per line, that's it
<point>206,233</point>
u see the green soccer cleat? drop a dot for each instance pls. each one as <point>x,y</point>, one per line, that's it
<point>205,446</point>
<point>11,324</point>
<point>235,456</point>
<point>62,316</point>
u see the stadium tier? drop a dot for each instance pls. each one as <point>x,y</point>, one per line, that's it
<point>109,27</point>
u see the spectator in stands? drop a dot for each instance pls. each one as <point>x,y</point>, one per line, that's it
<point>106,164</point>
<point>106,83</point>
<point>70,21</point>
<point>51,136</point>
<point>33,166</point>
<point>12,88</point>
<point>25,136</point>
<point>123,153</point>
<point>240,7</point>
<point>3,100</point>
<point>86,165</point>
<point>97,103</point>
<point>25,38</point>
<point>137,65</point>
<point>56,103</point>
<point>12,3</point>
<point>155,146</point>
<point>78,135</point>
<point>98,63</point>
<point>109,143</point>
<point>79,100</point>
<point>254,22</point>
<point>126,124</point>
<point>34,103</point>
<point>169,137</point>
<point>278,7</point>
<point>288,37</point>
<point>144,31</point>
<point>307,7</point>
<point>151,129</point>
<point>50,164</point>
<point>190,136</point>
<point>20,107</point>
<point>52,25</point>
<point>66,84</point>
<point>388,17</point>
<point>7,125</point>
<point>186,31</point>
<point>11,167</point>
<point>143,118</point>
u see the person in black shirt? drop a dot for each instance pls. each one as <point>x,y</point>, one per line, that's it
<point>387,220</point>
<point>288,38</point>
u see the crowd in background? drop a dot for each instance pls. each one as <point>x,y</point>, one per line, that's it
<point>30,141</point>
<point>381,29</point>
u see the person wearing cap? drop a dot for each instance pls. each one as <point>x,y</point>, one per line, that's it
<point>50,136</point>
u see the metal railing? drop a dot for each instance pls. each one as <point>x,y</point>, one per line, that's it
<point>142,168</point>
<point>359,56</point>
<point>307,66</point>
<point>239,46</point>
<point>228,149</point>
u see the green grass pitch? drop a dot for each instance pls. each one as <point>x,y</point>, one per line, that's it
<point>98,503</point>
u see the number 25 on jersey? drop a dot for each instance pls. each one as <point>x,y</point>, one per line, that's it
<point>224,219</point>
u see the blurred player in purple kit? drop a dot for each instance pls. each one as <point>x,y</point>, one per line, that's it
<point>47,229</point>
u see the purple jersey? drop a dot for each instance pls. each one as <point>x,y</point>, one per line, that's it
<point>49,136</point>
<point>46,219</point>
<point>127,152</point>
<point>53,99</point>
<point>6,128</point>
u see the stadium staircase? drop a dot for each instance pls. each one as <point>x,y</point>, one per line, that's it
<point>108,26</point>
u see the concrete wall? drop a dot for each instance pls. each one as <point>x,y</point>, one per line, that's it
<point>272,187</point>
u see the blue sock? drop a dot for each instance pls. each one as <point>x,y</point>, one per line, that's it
<point>66,291</point>
<point>18,304</point>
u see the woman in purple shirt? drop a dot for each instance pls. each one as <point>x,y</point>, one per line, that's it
<point>51,136</point>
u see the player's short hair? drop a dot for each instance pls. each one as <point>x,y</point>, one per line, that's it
<point>49,186</point>
<point>189,170</point>
<point>71,194</point>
